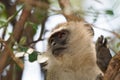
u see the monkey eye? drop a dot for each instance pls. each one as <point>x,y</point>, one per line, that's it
<point>58,37</point>
<point>61,34</point>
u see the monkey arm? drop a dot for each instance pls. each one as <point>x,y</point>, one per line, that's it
<point>102,53</point>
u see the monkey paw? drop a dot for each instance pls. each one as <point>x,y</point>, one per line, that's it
<point>102,53</point>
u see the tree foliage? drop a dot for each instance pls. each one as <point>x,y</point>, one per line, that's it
<point>25,17</point>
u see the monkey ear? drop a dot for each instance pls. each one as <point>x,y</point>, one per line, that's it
<point>89,28</point>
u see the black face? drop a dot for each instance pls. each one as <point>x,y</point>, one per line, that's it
<point>57,42</point>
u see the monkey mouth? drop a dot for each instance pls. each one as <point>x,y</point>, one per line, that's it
<point>58,51</point>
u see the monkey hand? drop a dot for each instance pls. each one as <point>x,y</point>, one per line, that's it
<point>102,53</point>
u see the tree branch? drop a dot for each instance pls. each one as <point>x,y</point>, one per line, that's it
<point>68,12</point>
<point>4,57</point>
<point>17,61</point>
<point>113,69</point>
<point>41,32</point>
<point>36,3</point>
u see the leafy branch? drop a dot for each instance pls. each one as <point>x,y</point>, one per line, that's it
<point>11,18</point>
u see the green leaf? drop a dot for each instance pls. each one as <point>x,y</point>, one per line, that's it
<point>2,7</point>
<point>23,40</point>
<point>2,23</point>
<point>18,67</point>
<point>33,56</point>
<point>34,26</point>
<point>23,49</point>
<point>3,16</point>
<point>118,45</point>
<point>110,12</point>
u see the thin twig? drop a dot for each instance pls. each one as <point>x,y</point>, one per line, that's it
<point>114,33</point>
<point>68,11</point>
<point>41,32</point>
<point>11,18</point>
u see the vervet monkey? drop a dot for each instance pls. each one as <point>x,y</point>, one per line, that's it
<point>71,53</point>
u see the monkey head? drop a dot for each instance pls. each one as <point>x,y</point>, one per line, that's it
<point>66,37</point>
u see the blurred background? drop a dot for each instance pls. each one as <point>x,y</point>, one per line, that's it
<point>27,24</point>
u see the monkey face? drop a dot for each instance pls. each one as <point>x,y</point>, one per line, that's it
<point>65,37</point>
<point>58,41</point>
